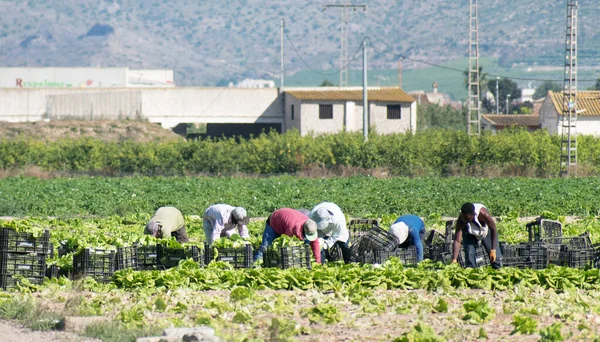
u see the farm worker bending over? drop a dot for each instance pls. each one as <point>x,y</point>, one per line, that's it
<point>290,222</point>
<point>167,222</point>
<point>476,223</point>
<point>410,230</point>
<point>221,219</point>
<point>331,225</point>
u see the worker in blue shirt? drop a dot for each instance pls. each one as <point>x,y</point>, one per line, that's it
<point>410,230</point>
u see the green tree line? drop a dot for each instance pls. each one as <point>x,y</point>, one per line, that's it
<point>432,152</point>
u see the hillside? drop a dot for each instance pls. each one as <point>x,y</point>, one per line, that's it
<point>214,42</point>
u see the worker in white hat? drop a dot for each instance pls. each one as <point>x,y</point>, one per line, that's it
<point>331,225</point>
<point>220,219</point>
<point>410,231</point>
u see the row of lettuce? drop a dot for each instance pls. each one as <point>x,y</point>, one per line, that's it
<point>432,152</point>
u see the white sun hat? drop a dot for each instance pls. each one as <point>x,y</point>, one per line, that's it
<point>400,231</point>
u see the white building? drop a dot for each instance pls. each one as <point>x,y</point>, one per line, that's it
<point>331,110</point>
<point>588,117</point>
<point>527,95</point>
<point>84,77</point>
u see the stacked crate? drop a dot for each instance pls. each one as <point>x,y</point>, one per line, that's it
<point>23,255</point>
<point>288,257</point>
<point>241,257</point>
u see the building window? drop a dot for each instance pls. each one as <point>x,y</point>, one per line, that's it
<point>292,112</point>
<point>325,111</point>
<point>394,112</point>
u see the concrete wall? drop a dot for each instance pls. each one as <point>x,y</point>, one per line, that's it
<point>379,120</point>
<point>312,124</point>
<point>211,105</point>
<point>288,122</point>
<point>168,106</point>
<point>348,115</point>
<point>549,116</point>
<point>99,105</point>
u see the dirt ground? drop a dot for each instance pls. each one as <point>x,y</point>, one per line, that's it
<point>72,129</point>
<point>14,332</point>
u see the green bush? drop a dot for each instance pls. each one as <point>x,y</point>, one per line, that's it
<point>432,152</point>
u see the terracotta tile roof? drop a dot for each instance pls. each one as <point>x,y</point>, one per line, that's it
<point>586,99</point>
<point>393,95</point>
<point>505,120</point>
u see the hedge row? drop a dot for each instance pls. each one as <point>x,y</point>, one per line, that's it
<point>429,153</point>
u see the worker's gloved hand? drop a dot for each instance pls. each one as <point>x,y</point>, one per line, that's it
<point>493,255</point>
<point>454,261</point>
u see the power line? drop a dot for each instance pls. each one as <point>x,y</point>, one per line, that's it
<point>462,71</point>
<point>316,71</point>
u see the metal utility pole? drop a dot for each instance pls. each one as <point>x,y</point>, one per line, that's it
<point>497,98</point>
<point>281,44</point>
<point>344,39</point>
<point>474,115</point>
<point>365,94</point>
<point>507,102</point>
<point>568,119</point>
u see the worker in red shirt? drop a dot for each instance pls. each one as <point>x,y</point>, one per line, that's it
<point>290,222</point>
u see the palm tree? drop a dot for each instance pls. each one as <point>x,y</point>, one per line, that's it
<point>483,82</point>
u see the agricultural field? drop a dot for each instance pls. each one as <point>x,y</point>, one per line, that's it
<point>431,302</point>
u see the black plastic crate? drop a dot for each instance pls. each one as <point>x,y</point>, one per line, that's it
<point>147,257</point>
<point>544,229</point>
<point>53,271</point>
<point>288,257</point>
<point>378,238</point>
<point>518,262</point>
<point>13,242</point>
<point>359,227</point>
<point>96,263</point>
<point>434,252</point>
<point>238,257</point>
<point>127,258</point>
<point>434,237</point>
<point>450,227</point>
<point>10,281</point>
<point>580,258</point>
<point>407,255</point>
<point>27,265</point>
<point>170,257</point>
<point>537,253</point>
<point>335,253</point>
<point>582,241</point>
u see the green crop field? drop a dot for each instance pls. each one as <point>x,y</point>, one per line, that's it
<point>430,302</point>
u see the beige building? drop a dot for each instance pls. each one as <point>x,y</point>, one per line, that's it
<point>331,110</point>
<point>588,117</point>
<point>494,123</point>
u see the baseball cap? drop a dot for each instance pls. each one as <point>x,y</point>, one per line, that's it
<point>400,231</point>
<point>322,217</point>
<point>468,208</point>
<point>240,215</point>
<point>310,230</point>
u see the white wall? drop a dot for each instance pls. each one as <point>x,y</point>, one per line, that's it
<point>63,77</point>
<point>211,105</point>
<point>288,122</point>
<point>350,115</point>
<point>549,116</point>
<point>150,77</point>
<point>98,105</point>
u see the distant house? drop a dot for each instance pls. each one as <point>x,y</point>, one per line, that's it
<point>588,117</point>
<point>494,123</point>
<point>331,110</point>
<point>435,97</point>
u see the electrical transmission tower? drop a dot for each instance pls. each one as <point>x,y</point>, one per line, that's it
<point>568,119</point>
<point>344,40</point>
<point>474,115</point>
